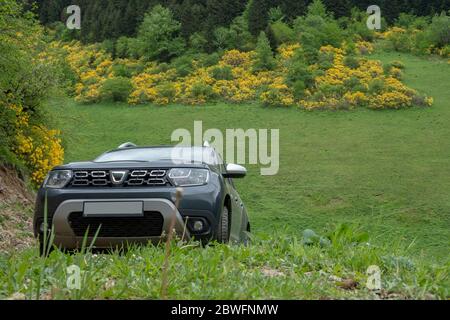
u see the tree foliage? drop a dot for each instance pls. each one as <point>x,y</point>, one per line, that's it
<point>159,35</point>
<point>264,55</point>
<point>111,19</point>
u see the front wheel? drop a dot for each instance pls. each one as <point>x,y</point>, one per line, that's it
<point>223,230</point>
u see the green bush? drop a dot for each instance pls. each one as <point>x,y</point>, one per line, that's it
<point>282,33</point>
<point>236,36</point>
<point>116,89</point>
<point>376,86</point>
<point>298,71</point>
<point>298,88</point>
<point>121,70</point>
<point>325,60</point>
<point>208,60</point>
<point>200,89</point>
<point>409,21</point>
<point>434,36</point>
<point>315,32</point>
<point>122,47</point>
<point>7,131</point>
<point>108,46</point>
<point>183,65</point>
<point>351,62</point>
<point>166,90</point>
<point>222,73</point>
<point>402,42</point>
<point>439,31</point>
<point>354,84</point>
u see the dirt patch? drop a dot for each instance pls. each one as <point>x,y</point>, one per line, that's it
<point>16,207</point>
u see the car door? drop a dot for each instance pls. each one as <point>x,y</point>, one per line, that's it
<point>237,208</point>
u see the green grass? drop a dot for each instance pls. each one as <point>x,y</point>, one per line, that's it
<point>385,173</point>
<point>275,267</point>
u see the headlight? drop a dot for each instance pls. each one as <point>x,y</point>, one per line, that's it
<point>58,179</point>
<point>183,177</point>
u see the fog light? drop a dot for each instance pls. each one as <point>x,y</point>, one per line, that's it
<point>198,226</point>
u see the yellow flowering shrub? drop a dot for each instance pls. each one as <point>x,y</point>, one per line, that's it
<point>148,86</point>
<point>92,67</point>
<point>391,32</point>
<point>355,99</point>
<point>278,94</point>
<point>236,58</point>
<point>364,47</point>
<point>200,86</point>
<point>339,80</point>
<point>42,153</point>
<point>344,87</point>
<point>287,51</point>
<point>196,88</point>
<point>390,100</point>
<point>38,147</point>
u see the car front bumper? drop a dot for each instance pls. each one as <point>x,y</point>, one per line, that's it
<point>65,236</point>
<point>203,202</point>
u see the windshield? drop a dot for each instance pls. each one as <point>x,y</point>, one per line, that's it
<point>175,154</point>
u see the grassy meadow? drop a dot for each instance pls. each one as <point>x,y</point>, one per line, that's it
<point>387,172</point>
<point>342,174</point>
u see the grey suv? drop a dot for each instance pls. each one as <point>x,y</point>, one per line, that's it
<point>127,196</point>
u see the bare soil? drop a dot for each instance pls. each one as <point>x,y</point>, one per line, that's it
<point>16,207</point>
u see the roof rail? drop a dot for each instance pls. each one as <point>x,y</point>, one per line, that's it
<point>127,145</point>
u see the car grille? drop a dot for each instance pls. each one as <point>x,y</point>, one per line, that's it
<point>149,225</point>
<point>132,178</point>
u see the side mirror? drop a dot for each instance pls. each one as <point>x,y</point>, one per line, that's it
<point>235,171</point>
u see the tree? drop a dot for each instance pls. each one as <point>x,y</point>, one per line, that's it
<point>159,35</point>
<point>198,42</point>
<point>264,54</point>
<point>317,8</point>
<point>258,16</point>
<point>293,8</point>
<point>340,8</point>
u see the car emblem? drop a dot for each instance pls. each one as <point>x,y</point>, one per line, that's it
<point>117,177</point>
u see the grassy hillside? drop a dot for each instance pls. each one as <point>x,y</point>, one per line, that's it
<point>388,172</point>
<point>342,174</point>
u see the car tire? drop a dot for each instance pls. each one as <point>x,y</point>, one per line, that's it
<point>223,232</point>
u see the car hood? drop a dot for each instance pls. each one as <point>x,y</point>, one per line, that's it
<point>87,165</point>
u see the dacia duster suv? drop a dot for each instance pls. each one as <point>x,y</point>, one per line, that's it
<point>127,196</point>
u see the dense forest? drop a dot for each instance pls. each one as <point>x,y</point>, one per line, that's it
<point>111,19</point>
